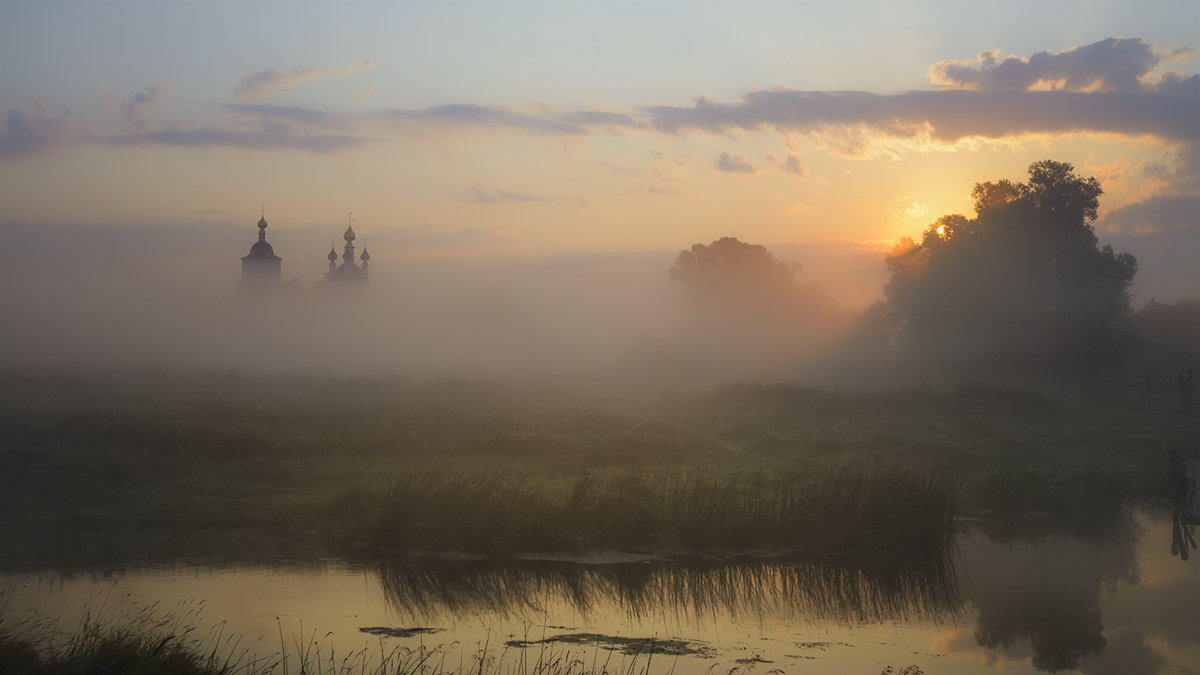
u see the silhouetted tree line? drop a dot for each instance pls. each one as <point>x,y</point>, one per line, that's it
<point>1021,291</point>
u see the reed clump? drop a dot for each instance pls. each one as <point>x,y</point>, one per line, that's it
<point>123,638</point>
<point>887,510</point>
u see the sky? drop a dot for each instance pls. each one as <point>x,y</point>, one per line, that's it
<point>519,130</point>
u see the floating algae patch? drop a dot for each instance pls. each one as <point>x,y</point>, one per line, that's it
<point>388,631</point>
<point>629,646</point>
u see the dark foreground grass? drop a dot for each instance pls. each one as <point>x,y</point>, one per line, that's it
<point>895,509</point>
<point>127,639</point>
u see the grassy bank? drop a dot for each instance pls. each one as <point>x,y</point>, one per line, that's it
<point>663,511</point>
<point>381,459</point>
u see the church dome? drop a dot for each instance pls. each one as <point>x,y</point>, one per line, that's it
<point>261,249</point>
<point>262,223</point>
<point>365,256</point>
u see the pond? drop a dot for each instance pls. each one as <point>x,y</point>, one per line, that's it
<point>1096,594</point>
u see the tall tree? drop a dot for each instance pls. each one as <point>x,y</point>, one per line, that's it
<point>752,318</point>
<point>1022,288</point>
<point>734,282</point>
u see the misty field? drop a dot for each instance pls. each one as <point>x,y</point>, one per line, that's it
<point>489,468</point>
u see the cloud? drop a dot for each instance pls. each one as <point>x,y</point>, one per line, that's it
<point>1102,88</point>
<point>256,85</point>
<point>483,117</point>
<point>733,164</point>
<point>275,137</point>
<point>1163,233</point>
<point>457,115</point>
<point>1161,213</point>
<point>910,209</point>
<point>791,164</point>
<point>26,135</point>
<point>306,116</point>
<point>1112,65</point>
<point>596,118</point>
<point>479,195</point>
<point>359,65</point>
<point>851,118</point>
<point>133,109</point>
<point>795,166</point>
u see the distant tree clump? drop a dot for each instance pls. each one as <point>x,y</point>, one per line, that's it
<point>1023,288</point>
<point>751,316</point>
<point>736,283</point>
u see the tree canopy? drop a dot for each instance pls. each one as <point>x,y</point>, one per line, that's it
<point>734,281</point>
<point>1023,287</point>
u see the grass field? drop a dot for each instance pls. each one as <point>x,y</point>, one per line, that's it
<point>451,464</point>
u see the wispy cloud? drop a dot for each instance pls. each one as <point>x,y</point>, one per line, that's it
<point>910,209</point>
<point>278,137</point>
<point>133,109</point>
<point>1102,88</point>
<point>28,135</point>
<point>733,164</point>
<point>789,164</point>
<point>478,195</point>
<point>257,85</point>
<point>306,116</point>
<point>482,117</point>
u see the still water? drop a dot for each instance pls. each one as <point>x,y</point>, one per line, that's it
<point>1058,595</point>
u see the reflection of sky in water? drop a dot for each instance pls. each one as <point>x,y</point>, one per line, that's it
<point>1102,603</point>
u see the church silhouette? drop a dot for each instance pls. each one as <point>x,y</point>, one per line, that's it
<point>261,268</point>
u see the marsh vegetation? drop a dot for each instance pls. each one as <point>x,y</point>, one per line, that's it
<point>396,464</point>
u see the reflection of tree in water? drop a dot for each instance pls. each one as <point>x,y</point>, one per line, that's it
<point>1046,588</point>
<point>845,590</point>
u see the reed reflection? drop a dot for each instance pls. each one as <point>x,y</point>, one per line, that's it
<point>848,589</point>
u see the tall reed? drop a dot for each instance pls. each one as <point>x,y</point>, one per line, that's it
<point>886,511</point>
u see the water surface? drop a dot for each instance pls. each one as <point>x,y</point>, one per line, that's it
<point>1093,595</point>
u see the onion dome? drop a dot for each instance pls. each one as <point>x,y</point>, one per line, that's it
<point>261,249</point>
<point>349,236</point>
<point>262,223</point>
<point>332,254</point>
<point>365,256</point>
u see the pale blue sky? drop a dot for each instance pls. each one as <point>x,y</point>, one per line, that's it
<point>559,53</point>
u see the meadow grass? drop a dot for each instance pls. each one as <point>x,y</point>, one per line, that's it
<point>757,464</point>
<point>895,509</point>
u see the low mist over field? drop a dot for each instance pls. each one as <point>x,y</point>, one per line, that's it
<point>168,296</point>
